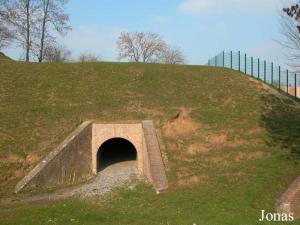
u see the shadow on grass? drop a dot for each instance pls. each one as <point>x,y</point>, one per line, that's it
<point>281,118</point>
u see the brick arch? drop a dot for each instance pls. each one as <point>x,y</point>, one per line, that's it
<point>130,132</point>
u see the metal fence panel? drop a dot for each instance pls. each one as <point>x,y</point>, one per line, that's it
<point>268,72</point>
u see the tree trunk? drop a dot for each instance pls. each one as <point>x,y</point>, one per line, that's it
<point>27,44</point>
<point>46,6</point>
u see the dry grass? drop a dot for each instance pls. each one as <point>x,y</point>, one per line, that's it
<point>214,141</point>
<point>136,72</point>
<point>235,157</point>
<point>12,158</point>
<point>185,179</point>
<point>197,148</point>
<point>153,112</point>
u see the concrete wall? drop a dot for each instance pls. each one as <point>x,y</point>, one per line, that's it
<point>289,202</point>
<point>69,163</point>
<point>154,165</point>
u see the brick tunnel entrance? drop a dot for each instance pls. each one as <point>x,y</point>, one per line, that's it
<point>94,146</point>
<point>113,151</point>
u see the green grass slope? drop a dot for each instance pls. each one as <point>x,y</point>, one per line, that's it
<point>231,154</point>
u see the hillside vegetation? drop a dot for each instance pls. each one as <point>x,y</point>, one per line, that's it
<point>231,151</point>
<point>4,57</point>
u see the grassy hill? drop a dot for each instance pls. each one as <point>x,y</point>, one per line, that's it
<point>231,153</point>
<point>4,57</point>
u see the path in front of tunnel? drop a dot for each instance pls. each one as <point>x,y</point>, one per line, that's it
<point>113,176</point>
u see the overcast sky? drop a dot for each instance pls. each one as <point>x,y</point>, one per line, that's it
<point>202,28</point>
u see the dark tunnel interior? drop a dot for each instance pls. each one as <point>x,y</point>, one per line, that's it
<point>113,151</point>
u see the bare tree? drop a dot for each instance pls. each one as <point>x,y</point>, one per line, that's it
<point>6,36</point>
<point>172,55</point>
<point>293,12</point>
<point>34,23</point>
<point>52,18</point>
<point>18,15</point>
<point>140,46</point>
<point>88,57</point>
<point>291,38</point>
<point>57,53</point>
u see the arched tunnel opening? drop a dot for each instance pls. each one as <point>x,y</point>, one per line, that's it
<point>114,151</point>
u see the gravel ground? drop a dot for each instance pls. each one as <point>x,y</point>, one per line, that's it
<point>115,175</point>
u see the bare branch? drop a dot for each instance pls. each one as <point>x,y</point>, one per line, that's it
<point>172,55</point>
<point>291,38</point>
<point>6,36</point>
<point>51,18</point>
<point>140,46</point>
<point>57,53</point>
<point>34,23</point>
<point>18,15</point>
<point>88,57</point>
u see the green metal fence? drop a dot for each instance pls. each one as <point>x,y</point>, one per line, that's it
<point>285,80</point>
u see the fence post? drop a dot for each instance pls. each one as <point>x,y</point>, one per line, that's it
<point>245,63</point>
<point>231,59</point>
<point>265,71</point>
<point>208,63</point>
<point>295,85</point>
<point>258,69</point>
<point>251,66</point>
<point>216,61</point>
<point>279,75</point>
<point>239,61</point>
<point>223,55</point>
<point>287,81</point>
<point>272,74</point>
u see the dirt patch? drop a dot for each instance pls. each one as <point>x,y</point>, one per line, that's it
<point>181,125</point>
<point>254,131</point>
<point>229,102</point>
<point>219,160</point>
<point>183,173</point>
<point>152,112</point>
<point>12,158</point>
<point>136,72</point>
<point>17,173</point>
<point>262,85</point>
<point>32,158</point>
<point>240,156</point>
<point>138,107</point>
<point>192,180</point>
<point>235,157</point>
<point>214,141</point>
<point>224,140</point>
<point>234,177</point>
<point>133,106</point>
<point>197,148</point>
<point>239,142</point>
<point>217,139</point>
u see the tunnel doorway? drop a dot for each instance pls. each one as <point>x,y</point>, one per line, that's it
<point>114,151</point>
